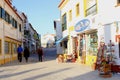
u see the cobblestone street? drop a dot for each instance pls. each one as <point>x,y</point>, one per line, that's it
<point>49,69</point>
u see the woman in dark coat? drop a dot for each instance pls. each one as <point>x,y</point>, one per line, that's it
<point>26,53</point>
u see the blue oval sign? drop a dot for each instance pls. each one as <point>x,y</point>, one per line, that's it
<point>82,25</point>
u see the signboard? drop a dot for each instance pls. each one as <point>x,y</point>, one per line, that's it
<point>82,25</point>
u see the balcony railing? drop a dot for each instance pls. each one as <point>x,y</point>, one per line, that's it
<point>92,10</point>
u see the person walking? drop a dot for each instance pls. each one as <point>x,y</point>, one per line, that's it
<point>19,51</point>
<point>26,53</point>
<point>40,54</point>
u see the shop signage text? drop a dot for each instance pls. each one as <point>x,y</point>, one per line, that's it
<point>82,25</point>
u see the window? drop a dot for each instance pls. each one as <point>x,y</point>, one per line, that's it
<point>14,48</point>
<point>14,23</point>
<point>91,8</point>
<point>0,47</point>
<point>92,43</point>
<point>0,12</point>
<point>70,15</point>
<point>64,22</point>
<point>65,44</point>
<point>7,17</point>
<point>3,13</point>
<point>7,50</point>
<point>77,10</point>
<point>54,25</point>
<point>20,29</point>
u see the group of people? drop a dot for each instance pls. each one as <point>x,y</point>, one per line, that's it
<point>26,53</point>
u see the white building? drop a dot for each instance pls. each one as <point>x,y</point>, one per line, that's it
<point>58,31</point>
<point>88,22</point>
<point>47,40</point>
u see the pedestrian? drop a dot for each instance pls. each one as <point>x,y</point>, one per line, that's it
<point>40,54</point>
<point>26,53</point>
<point>19,51</point>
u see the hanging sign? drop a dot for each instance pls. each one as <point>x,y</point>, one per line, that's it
<point>82,25</point>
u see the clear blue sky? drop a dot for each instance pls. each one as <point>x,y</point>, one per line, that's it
<point>40,13</point>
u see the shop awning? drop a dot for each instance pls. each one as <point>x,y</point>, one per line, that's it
<point>62,39</point>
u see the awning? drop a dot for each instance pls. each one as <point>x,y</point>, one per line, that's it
<point>62,39</point>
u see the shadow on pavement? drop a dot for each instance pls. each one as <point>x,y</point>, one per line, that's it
<point>93,75</point>
<point>47,74</point>
<point>19,73</point>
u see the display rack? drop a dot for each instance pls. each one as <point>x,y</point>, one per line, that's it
<point>106,60</point>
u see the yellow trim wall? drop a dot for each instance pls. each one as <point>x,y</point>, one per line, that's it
<point>11,56</point>
<point>2,61</point>
<point>90,59</point>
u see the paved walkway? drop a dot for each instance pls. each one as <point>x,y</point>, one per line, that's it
<point>49,69</point>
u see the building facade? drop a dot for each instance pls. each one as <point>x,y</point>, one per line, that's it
<point>58,31</point>
<point>48,40</point>
<point>25,29</point>
<point>89,22</point>
<point>10,31</point>
<point>31,37</point>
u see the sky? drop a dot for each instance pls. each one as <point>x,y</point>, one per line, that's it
<point>40,13</point>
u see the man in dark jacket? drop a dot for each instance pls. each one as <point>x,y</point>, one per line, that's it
<point>40,54</point>
<point>26,53</point>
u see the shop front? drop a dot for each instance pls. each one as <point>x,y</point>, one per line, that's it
<point>91,47</point>
<point>72,45</point>
<point>62,49</point>
<point>87,42</point>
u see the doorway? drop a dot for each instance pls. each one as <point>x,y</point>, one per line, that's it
<point>81,47</point>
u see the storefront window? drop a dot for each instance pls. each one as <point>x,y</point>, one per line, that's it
<point>92,44</point>
<point>81,44</point>
<point>81,47</point>
<point>7,47</point>
<point>14,48</point>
